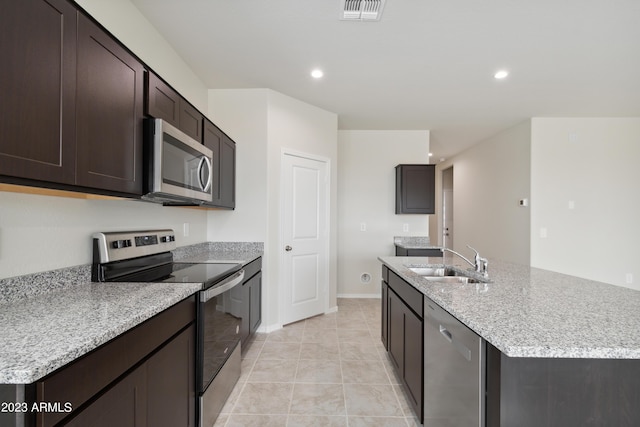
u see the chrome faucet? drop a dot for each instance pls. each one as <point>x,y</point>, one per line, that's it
<point>480,265</point>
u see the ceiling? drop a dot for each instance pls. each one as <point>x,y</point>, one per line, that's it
<point>427,64</point>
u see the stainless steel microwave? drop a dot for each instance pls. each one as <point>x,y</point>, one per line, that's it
<point>178,167</point>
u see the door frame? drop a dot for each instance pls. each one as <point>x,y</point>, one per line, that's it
<point>327,233</point>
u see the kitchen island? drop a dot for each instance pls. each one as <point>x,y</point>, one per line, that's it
<point>560,350</point>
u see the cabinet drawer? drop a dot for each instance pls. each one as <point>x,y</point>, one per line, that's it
<point>385,273</point>
<point>252,268</point>
<point>410,295</point>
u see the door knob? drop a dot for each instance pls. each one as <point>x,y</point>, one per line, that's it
<point>288,248</point>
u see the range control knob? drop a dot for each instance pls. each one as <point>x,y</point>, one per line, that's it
<point>119,244</point>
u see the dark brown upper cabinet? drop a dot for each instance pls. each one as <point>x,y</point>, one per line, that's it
<point>38,86</point>
<point>110,112</point>
<point>71,109</point>
<point>164,103</point>
<point>224,166</point>
<point>415,189</point>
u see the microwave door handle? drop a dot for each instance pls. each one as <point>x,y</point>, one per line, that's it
<point>205,186</point>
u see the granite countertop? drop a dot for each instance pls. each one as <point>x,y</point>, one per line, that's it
<point>209,252</point>
<point>49,319</point>
<point>529,312</point>
<point>413,242</point>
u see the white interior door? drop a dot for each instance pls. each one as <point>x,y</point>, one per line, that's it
<point>305,240</point>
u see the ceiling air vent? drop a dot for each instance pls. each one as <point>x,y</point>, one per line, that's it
<point>361,10</point>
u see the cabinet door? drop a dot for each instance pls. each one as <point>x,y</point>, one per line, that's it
<point>190,120</point>
<point>405,346</point>
<point>413,360</point>
<point>255,303</point>
<point>385,316</point>
<point>396,311</point>
<point>162,102</point>
<point>125,405</point>
<point>171,382</point>
<point>110,113</point>
<point>212,139</point>
<point>228,173</point>
<point>415,189</point>
<point>224,165</point>
<point>37,83</point>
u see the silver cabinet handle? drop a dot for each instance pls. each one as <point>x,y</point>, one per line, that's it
<point>288,248</point>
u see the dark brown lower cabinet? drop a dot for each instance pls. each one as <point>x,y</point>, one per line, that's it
<point>255,302</point>
<point>385,317</point>
<point>160,392</point>
<point>544,392</point>
<point>404,338</point>
<point>125,404</point>
<point>250,295</point>
<point>431,252</point>
<point>171,383</point>
<point>143,378</point>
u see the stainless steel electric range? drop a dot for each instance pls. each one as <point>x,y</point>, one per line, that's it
<point>145,256</point>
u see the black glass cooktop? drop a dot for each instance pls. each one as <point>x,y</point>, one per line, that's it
<point>208,274</point>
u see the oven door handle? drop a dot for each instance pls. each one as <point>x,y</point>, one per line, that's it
<point>224,286</point>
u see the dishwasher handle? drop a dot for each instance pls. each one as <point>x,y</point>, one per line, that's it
<point>222,287</point>
<point>460,347</point>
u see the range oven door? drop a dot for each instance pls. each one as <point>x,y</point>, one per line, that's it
<point>180,168</point>
<point>219,325</point>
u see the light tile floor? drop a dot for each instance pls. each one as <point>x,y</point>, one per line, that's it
<point>330,370</point>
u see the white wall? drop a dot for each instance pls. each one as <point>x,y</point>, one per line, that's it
<point>488,180</point>
<point>41,233</point>
<point>242,114</point>
<point>594,164</point>
<point>366,194</point>
<point>263,123</point>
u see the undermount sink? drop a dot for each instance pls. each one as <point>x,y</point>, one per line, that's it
<point>428,271</point>
<point>442,275</point>
<point>450,279</point>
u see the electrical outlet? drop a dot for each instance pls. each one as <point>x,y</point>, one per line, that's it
<point>543,233</point>
<point>629,278</point>
<point>405,227</point>
<point>363,226</point>
<point>185,229</point>
<point>572,204</point>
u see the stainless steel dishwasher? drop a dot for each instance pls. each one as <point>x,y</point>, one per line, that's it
<point>453,371</point>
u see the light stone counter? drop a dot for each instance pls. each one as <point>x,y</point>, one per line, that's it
<point>45,332</point>
<point>529,312</point>
<point>49,319</point>
<point>210,252</point>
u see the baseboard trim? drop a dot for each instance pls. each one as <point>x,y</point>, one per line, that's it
<point>378,296</point>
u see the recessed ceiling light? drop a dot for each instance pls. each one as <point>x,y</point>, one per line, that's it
<point>317,73</point>
<point>501,74</point>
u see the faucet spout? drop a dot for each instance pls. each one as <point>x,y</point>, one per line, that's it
<point>460,255</point>
<point>480,264</point>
